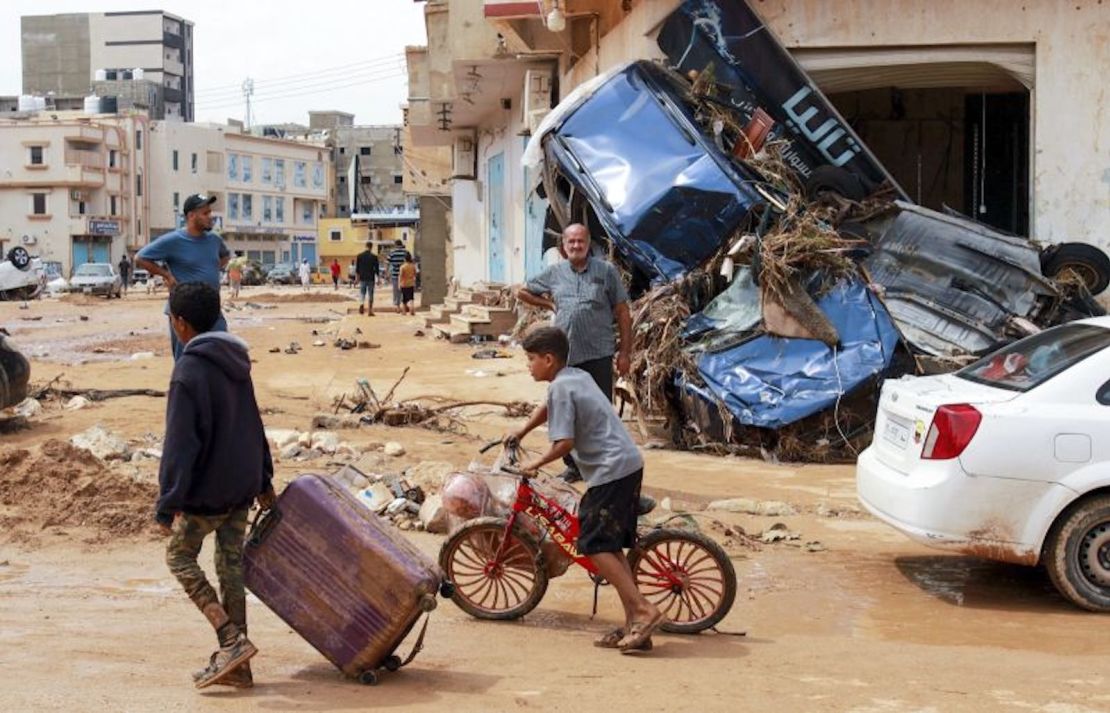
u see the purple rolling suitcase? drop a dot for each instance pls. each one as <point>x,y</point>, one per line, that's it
<point>340,576</point>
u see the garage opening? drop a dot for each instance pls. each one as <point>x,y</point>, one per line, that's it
<point>951,124</point>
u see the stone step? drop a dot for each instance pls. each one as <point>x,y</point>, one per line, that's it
<point>497,322</point>
<point>488,313</point>
<point>480,327</point>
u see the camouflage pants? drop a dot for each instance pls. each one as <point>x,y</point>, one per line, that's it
<point>185,543</point>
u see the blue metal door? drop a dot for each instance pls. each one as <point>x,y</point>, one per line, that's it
<point>535,213</point>
<point>101,250</point>
<point>496,194</point>
<point>308,252</point>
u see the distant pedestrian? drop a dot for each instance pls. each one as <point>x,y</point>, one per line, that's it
<point>367,267</point>
<point>396,259</point>
<point>235,277</point>
<point>335,272</point>
<point>215,463</point>
<point>125,273</point>
<point>406,278</point>
<point>352,275</point>
<point>306,274</point>
<point>190,254</point>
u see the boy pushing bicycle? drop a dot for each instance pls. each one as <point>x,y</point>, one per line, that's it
<point>580,421</point>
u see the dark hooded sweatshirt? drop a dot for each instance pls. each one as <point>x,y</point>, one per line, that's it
<point>215,458</point>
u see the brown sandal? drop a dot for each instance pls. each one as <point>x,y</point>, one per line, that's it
<point>612,640</point>
<point>639,634</point>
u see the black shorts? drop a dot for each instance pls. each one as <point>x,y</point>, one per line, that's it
<point>607,515</point>
<point>407,294</point>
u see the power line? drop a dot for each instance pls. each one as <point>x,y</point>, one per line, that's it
<point>272,97</point>
<point>358,76</point>
<point>306,76</point>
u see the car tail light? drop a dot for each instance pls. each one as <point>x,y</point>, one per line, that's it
<point>952,429</point>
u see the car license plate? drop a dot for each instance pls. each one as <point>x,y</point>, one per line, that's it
<point>896,433</point>
<point>87,290</point>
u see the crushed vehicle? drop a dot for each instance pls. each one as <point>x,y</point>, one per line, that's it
<point>21,276</point>
<point>778,272</point>
<point>15,373</point>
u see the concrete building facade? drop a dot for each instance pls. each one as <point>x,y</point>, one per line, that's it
<point>67,53</point>
<point>75,188</point>
<point>377,186</point>
<point>1006,120</point>
<point>270,192</point>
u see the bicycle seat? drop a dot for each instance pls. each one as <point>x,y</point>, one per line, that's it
<point>646,505</point>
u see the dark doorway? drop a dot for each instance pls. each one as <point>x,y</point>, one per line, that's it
<point>937,145</point>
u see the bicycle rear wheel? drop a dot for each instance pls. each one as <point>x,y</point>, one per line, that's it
<point>687,575</point>
<point>488,587</point>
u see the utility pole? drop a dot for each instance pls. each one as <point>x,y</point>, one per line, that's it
<point>248,90</point>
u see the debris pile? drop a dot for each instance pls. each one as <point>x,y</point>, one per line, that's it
<point>60,484</point>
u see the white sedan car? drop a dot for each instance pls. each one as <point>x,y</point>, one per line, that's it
<point>1007,459</point>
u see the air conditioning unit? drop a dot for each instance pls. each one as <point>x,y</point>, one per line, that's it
<point>537,98</point>
<point>463,157</point>
<point>77,194</point>
<point>29,240</point>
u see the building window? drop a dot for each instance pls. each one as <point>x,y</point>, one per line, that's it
<point>38,204</point>
<point>398,179</point>
<point>176,201</point>
<point>193,163</point>
<point>233,206</point>
<point>113,158</point>
<point>267,171</point>
<point>364,150</point>
<point>306,214</point>
<point>267,209</point>
<point>175,159</point>
<point>215,161</point>
<point>36,156</point>
<point>342,179</point>
<point>233,167</point>
<point>246,169</point>
<point>138,184</point>
<point>113,205</point>
<point>342,150</point>
<point>343,209</point>
<point>138,139</point>
<point>279,210</point>
<point>366,180</point>
<point>318,175</point>
<point>279,172</point>
<point>248,208</point>
<point>299,174</point>
<point>81,209</point>
<point>398,150</point>
<point>336,234</point>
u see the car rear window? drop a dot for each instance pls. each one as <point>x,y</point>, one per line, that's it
<point>1034,360</point>
<point>88,270</point>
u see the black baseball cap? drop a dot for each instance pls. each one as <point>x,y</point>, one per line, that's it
<point>197,200</point>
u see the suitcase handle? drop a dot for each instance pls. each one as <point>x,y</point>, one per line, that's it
<point>262,525</point>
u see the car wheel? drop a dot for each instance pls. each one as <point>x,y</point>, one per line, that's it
<point>1088,262</point>
<point>1077,554</point>
<point>19,257</point>
<point>832,179</point>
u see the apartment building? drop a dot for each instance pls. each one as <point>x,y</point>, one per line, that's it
<point>74,188</point>
<point>67,53</point>
<point>368,161</point>
<point>270,192</point>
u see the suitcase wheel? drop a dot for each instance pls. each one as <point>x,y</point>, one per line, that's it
<point>392,662</point>
<point>427,602</point>
<point>446,589</point>
<point>368,678</point>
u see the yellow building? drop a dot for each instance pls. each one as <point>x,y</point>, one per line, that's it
<point>341,239</point>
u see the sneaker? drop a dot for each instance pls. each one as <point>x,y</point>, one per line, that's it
<point>570,475</point>
<point>239,678</point>
<point>226,660</point>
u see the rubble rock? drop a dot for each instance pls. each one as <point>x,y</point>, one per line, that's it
<point>281,437</point>
<point>144,454</point>
<point>404,525</point>
<point>28,408</point>
<point>434,516</point>
<point>336,422</point>
<point>429,475</point>
<point>395,449</point>
<point>825,509</point>
<point>665,504</point>
<point>377,497</point>
<point>76,403</point>
<point>103,444</point>
<point>325,441</point>
<point>815,546</point>
<point>747,506</point>
<point>139,356</point>
<point>291,450</point>
<point>304,439</point>
<point>777,533</point>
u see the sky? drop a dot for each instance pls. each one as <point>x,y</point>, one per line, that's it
<point>318,55</point>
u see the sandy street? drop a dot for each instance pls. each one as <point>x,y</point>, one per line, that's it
<point>850,616</point>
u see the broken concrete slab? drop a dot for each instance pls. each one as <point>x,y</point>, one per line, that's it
<point>336,422</point>
<point>434,516</point>
<point>102,443</point>
<point>746,506</point>
<point>394,449</point>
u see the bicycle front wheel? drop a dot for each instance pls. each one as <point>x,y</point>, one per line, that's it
<point>488,586</point>
<point>687,575</point>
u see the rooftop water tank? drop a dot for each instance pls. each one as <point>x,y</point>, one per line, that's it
<point>101,75</point>
<point>26,102</point>
<point>92,105</point>
<point>137,73</point>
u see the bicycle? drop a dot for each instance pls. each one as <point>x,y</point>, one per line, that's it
<point>499,571</point>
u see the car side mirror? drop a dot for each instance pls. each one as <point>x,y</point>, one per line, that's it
<point>1103,395</point>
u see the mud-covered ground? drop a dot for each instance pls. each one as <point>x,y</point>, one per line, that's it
<point>864,620</point>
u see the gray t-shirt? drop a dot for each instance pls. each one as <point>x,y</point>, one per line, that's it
<point>577,409</point>
<point>584,303</point>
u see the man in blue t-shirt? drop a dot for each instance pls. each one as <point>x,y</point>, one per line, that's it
<point>192,254</point>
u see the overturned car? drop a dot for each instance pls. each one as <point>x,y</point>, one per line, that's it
<point>779,272</point>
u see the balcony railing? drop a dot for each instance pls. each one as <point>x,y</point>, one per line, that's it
<point>87,159</point>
